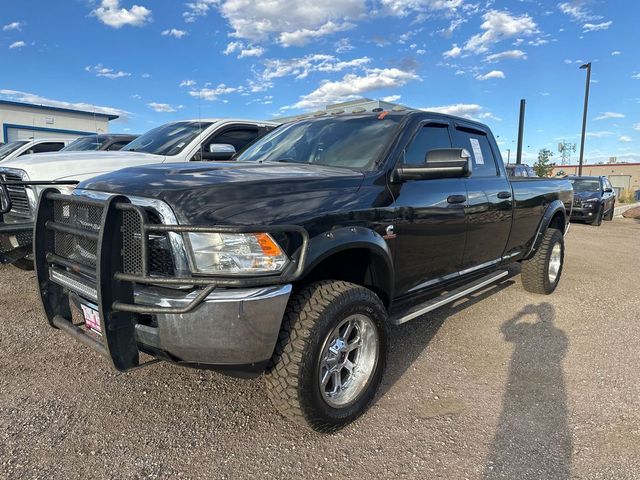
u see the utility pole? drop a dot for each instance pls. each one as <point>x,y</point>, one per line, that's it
<point>586,66</point>
<point>523,104</point>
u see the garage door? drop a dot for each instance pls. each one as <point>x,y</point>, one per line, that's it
<point>14,133</point>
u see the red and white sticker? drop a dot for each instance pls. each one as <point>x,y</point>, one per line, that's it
<point>91,319</point>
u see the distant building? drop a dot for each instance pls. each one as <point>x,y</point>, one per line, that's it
<point>20,121</point>
<point>353,106</point>
<point>623,176</point>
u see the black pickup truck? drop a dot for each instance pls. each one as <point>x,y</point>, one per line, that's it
<point>294,259</point>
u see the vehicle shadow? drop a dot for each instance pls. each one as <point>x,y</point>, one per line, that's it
<point>409,340</point>
<point>533,439</point>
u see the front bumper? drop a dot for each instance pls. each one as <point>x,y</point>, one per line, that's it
<point>203,320</point>
<point>585,214</point>
<point>15,241</point>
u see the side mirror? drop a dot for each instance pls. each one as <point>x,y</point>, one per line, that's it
<point>439,163</point>
<point>219,151</point>
<point>608,190</point>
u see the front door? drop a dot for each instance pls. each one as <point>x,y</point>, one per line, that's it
<point>430,223</point>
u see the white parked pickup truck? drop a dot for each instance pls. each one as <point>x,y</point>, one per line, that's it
<point>23,178</point>
<point>17,148</point>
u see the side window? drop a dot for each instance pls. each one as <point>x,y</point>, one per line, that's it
<point>116,146</point>
<point>430,137</point>
<point>477,143</point>
<point>238,137</point>
<point>46,147</point>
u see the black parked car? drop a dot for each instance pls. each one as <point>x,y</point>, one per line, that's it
<point>594,199</point>
<point>294,259</point>
<point>101,142</point>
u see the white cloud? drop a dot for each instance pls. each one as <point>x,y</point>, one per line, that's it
<point>353,86</point>
<point>304,35</point>
<point>161,107</point>
<point>187,83</point>
<point>301,67</point>
<point>625,138</point>
<point>538,42</point>
<point>27,97</point>
<point>607,115</point>
<point>18,44</point>
<point>615,53</point>
<point>636,127</point>
<point>12,26</point>
<point>110,13</point>
<point>102,71</point>
<point>453,52</point>
<point>599,134</point>
<point>343,45</point>
<point>497,26</point>
<point>291,22</point>
<point>594,27</point>
<point>576,10</point>
<point>509,54</point>
<point>402,8</point>
<point>636,76</point>
<point>243,50</point>
<point>490,75</point>
<point>391,98</point>
<point>472,111</point>
<point>198,8</point>
<point>212,94</point>
<point>174,32</point>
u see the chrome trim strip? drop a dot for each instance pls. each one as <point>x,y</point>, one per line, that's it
<point>150,296</point>
<point>448,299</point>
<point>481,266</point>
<point>66,280</point>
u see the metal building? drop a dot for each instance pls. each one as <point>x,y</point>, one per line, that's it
<point>21,121</point>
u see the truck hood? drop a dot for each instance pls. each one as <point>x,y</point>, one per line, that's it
<point>250,192</point>
<point>78,165</point>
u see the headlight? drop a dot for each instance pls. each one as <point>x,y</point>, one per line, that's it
<point>236,254</point>
<point>33,193</point>
<point>588,204</point>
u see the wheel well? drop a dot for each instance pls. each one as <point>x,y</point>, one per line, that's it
<point>558,222</point>
<point>356,265</point>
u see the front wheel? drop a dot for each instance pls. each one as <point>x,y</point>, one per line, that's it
<point>23,264</point>
<point>609,215</point>
<point>330,355</point>
<point>541,273</point>
<point>597,221</point>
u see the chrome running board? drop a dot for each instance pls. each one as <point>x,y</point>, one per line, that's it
<point>448,297</point>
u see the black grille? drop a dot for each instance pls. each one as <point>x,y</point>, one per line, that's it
<point>85,250</point>
<point>577,202</point>
<point>86,217</point>
<point>18,195</point>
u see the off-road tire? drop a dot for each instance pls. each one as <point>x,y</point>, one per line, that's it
<point>292,380</point>
<point>597,221</point>
<point>535,271</point>
<point>609,216</point>
<point>23,264</point>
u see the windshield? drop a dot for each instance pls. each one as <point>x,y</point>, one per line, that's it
<point>168,139</point>
<point>92,142</point>
<point>351,142</point>
<point>584,185</point>
<point>9,148</point>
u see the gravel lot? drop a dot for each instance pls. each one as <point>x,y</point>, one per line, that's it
<point>504,384</point>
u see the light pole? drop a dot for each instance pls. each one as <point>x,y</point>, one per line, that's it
<point>584,114</point>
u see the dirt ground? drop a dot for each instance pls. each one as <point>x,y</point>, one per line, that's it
<point>504,384</point>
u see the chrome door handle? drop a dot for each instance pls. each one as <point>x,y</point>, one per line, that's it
<point>504,195</point>
<point>456,199</point>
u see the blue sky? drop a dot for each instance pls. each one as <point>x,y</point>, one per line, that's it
<point>153,61</point>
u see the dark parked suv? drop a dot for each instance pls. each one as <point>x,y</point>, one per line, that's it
<point>594,199</point>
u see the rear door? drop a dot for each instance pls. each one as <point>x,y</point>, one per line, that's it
<point>489,202</point>
<point>429,228</point>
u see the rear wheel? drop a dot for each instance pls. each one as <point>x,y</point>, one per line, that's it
<point>541,273</point>
<point>330,356</point>
<point>23,264</point>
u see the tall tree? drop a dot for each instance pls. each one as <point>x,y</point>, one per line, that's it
<point>543,167</point>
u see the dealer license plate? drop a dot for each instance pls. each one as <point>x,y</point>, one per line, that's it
<point>91,319</point>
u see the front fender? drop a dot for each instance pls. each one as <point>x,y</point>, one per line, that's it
<point>323,246</point>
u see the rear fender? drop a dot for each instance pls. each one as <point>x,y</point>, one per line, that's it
<point>555,207</point>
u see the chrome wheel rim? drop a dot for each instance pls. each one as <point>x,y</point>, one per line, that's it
<point>348,360</point>
<point>555,262</point>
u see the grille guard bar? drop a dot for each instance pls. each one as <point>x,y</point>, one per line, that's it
<point>115,289</point>
<point>8,205</point>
